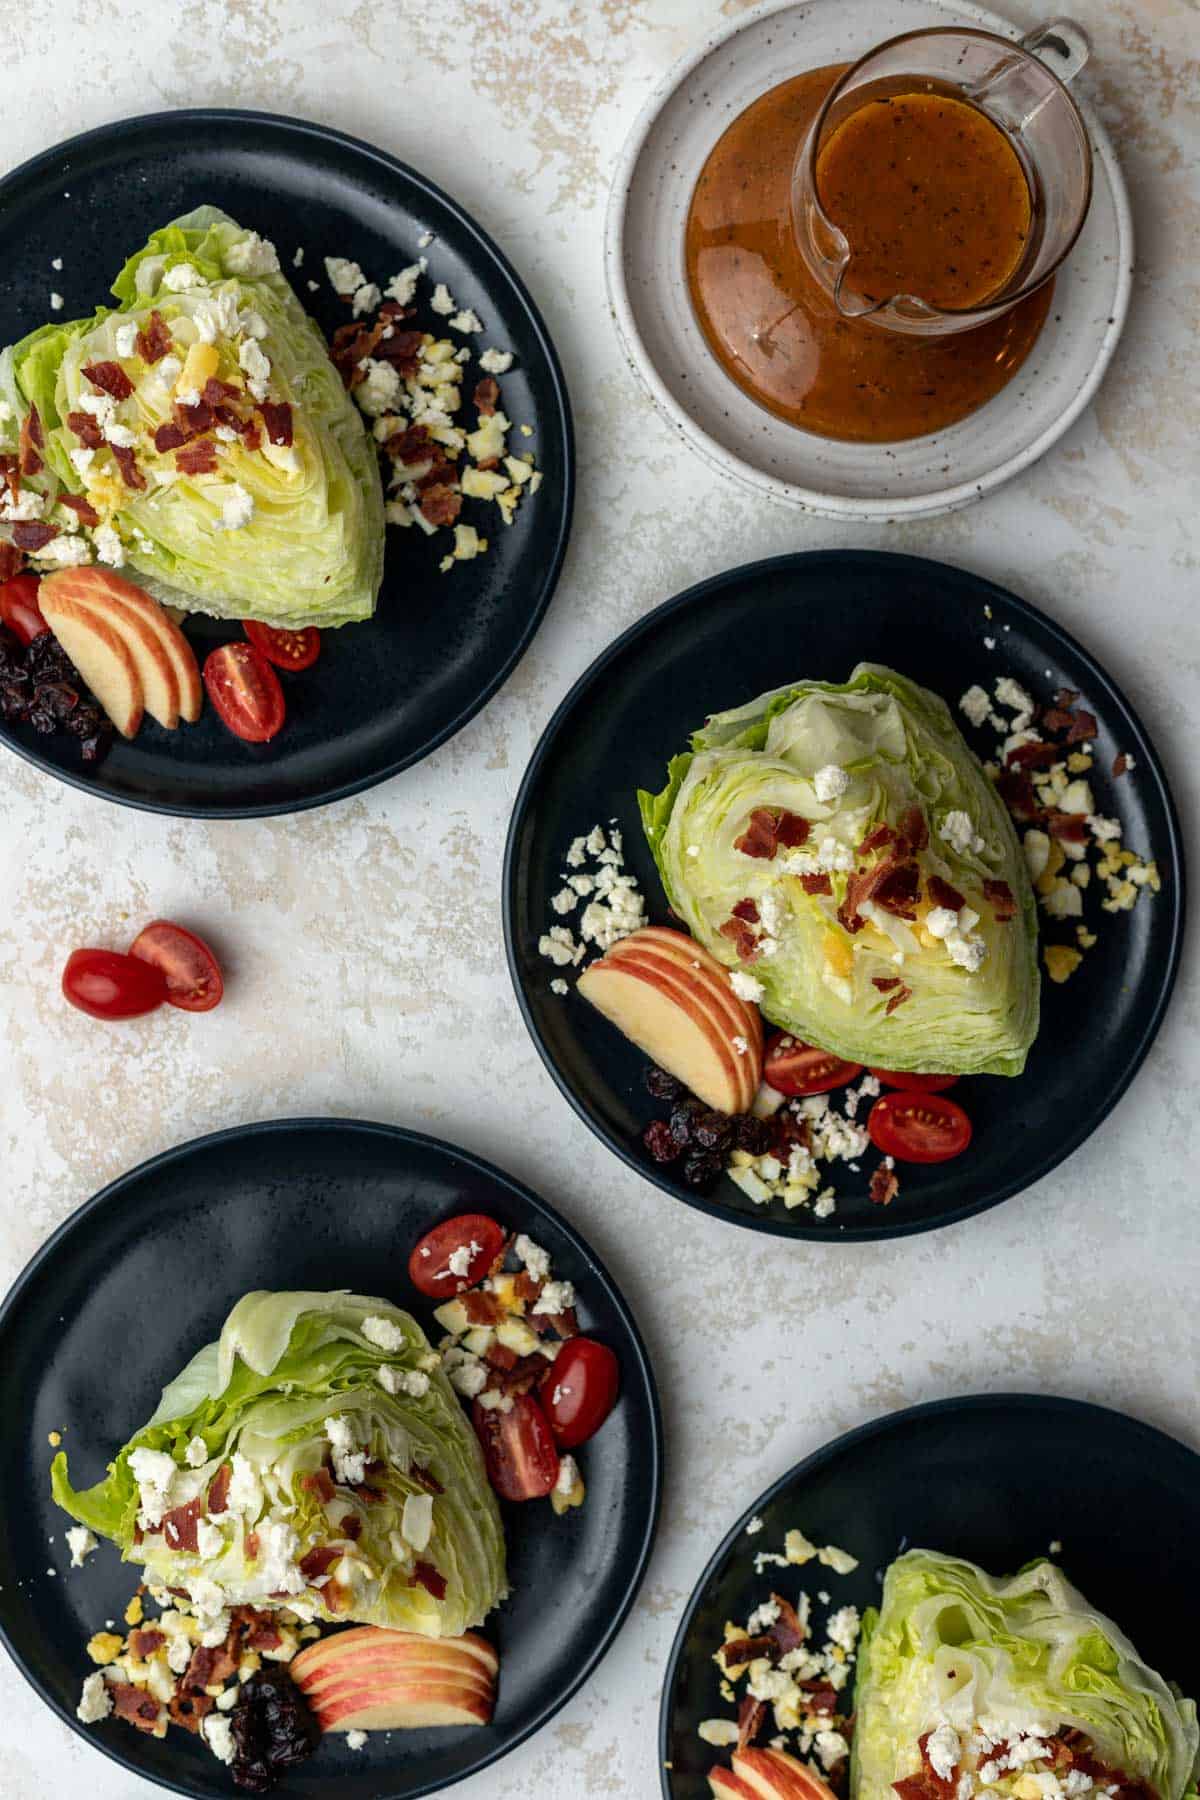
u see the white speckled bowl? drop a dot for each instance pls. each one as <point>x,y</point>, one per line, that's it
<point>647,284</point>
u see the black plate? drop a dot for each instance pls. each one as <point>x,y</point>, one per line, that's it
<point>995,1478</point>
<point>135,1281</point>
<point>817,614</point>
<point>387,692</point>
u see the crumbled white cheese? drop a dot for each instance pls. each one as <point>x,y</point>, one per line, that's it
<point>125,338</point>
<point>57,303</point>
<point>746,987</point>
<point>218,1735</point>
<point>383,1332</point>
<point>95,1702</point>
<point>496,362</point>
<point>109,547</point>
<point>976,705</point>
<point>944,1749</point>
<point>830,783</point>
<point>402,287</point>
<point>237,509</point>
<point>555,1297</point>
<point>80,1542</point>
<point>535,1259</point>
<point>443,302</point>
<point>154,1471</point>
<point>957,830</point>
<point>349,1460</point>
<point>252,255</point>
<point>183,276</point>
<point>356,1740</point>
<point>366,299</point>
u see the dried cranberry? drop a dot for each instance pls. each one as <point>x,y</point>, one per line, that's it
<point>273,1730</point>
<point>659,1141</point>
<point>662,1085</point>
<point>752,1134</point>
<point>683,1119</point>
<point>702,1167</point>
<point>712,1130</point>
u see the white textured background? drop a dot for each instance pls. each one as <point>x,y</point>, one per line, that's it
<point>363,941</point>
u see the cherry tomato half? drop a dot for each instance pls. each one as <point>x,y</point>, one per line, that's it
<point>111,986</point>
<point>919,1128</point>
<point>915,1084</point>
<point>455,1255</point>
<point>518,1449</point>
<point>192,973</point>
<point>579,1390</point>
<point>245,691</point>
<point>791,1067</point>
<point>19,609</point>
<point>293,650</point>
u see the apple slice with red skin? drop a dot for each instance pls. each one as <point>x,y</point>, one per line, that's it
<point>725,1785</point>
<point>369,1679</point>
<point>746,1019</point>
<point>691,994</point>
<point>706,983</point>
<point>652,1003</point>
<point>774,1775</point>
<point>154,639</point>
<point>100,654</point>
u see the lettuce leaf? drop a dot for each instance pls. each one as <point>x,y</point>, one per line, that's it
<point>1020,1657</point>
<point>260,1400</point>
<point>974,988</point>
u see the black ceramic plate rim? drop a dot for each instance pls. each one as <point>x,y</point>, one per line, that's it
<point>1079,1128</point>
<point>562,420</point>
<point>1049,1403</point>
<point>399,1136</point>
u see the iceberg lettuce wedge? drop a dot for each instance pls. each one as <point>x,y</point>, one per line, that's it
<point>355,1484</point>
<point>896,922</point>
<point>991,1670</point>
<point>283,521</point>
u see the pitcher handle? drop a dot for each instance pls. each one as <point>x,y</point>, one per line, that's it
<point>1062,45</point>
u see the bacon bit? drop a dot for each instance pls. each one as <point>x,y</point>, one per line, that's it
<point>143,1644</point>
<point>82,506</point>
<point>914,829</point>
<point>1033,756</point>
<point>10,472</point>
<point>1071,828</point>
<point>194,421</point>
<point>751,1714</point>
<point>525,1374</point>
<point>110,378</point>
<point>232,419</point>
<point>218,1489</point>
<point>481,1308</point>
<point>199,458</point>
<point>188,1709</point>
<point>488,464</point>
<point>1083,727</point>
<point>153,340</point>
<point>402,350</point>
<point>135,1705</point>
<point>884,1186</point>
<point>760,838</point>
<point>897,889</point>
<point>277,417</point>
<point>1000,897</point>
<point>822,1698</point>
<point>352,1527</point>
<point>11,561</point>
<point>524,1286</point>
<point>131,475</point>
<point>1120,764</point>
<point>209,1666</point>
<point>787,1630</point>
<point>179,1525</point>
<point>370,1496</point>
<point>885,983</point>
<point>263,1633</point>
<point>33,534</point>
<point>86,430</point>
<point>877,840</point>
<point>816,884</point>
<point>440,504</point>
<point>742,938</point>
<point>31,442</point>
<point>487,393</point>
<point>252,1545</point>
<point>392,309</point>
<point>746,909</point>
<point>426,1576</point>
<point>1058,718</point>
<point>320,1484</point>
<point>410,446</point>
<point>747,1649</point>
<point>214,391</point>
<point>1016,790</point>
<point>898,999</point>
<point>350,346</point>
<point>425,1480</point>
<point>1066,698</point>
<point>501,1357</point>
<point>565,1323</point>
<point>318,1561</point>
<point>792,830</point>
<point>942,894</point>
<point>788,1130</point>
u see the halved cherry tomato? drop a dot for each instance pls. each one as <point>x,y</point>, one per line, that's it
<point>19,609</point>
<point>293,650</point>
<point>192,973</point>
<point>579,1390</point>
<point>455,1255</point>
<point>919,1128</point>
<point>791,1067</point>
<point>111,986</point>
<point>245,690</point>
<point>915,1084</point>
<point>518,1449</point>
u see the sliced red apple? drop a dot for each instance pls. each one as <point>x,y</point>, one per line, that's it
<point>774,1775</point>
<point>369,1679</point>
<point>725,1785</point>
<point>746,1020</point>
<point>101,655</point>
<point>174,690</point>
<point>691,991</point>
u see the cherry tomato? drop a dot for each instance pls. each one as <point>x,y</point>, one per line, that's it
<point>579,1390</point>
<point>293,650</point>
<point>919,1128</point>
<point>429,1267</point>
<point>518,1449</point>
<point>915,1084</point>
<point>791,1067</point>
<point>19,609</point>
<point>192,973</point>
<point>245,690</point>
<point>111,986</point>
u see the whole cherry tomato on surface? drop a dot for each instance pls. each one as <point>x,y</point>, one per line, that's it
<point>107,985</point>
<point>455,1255</point>
<point>791,1067</point>
<point>579,1390</point>
<point>19,608</point>
<point>518,1448</point>
<point>245,692</point>
<point>915,1084</point>
<point>294,650</point>
<point>919,1128</point>
<point>192,973</point>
